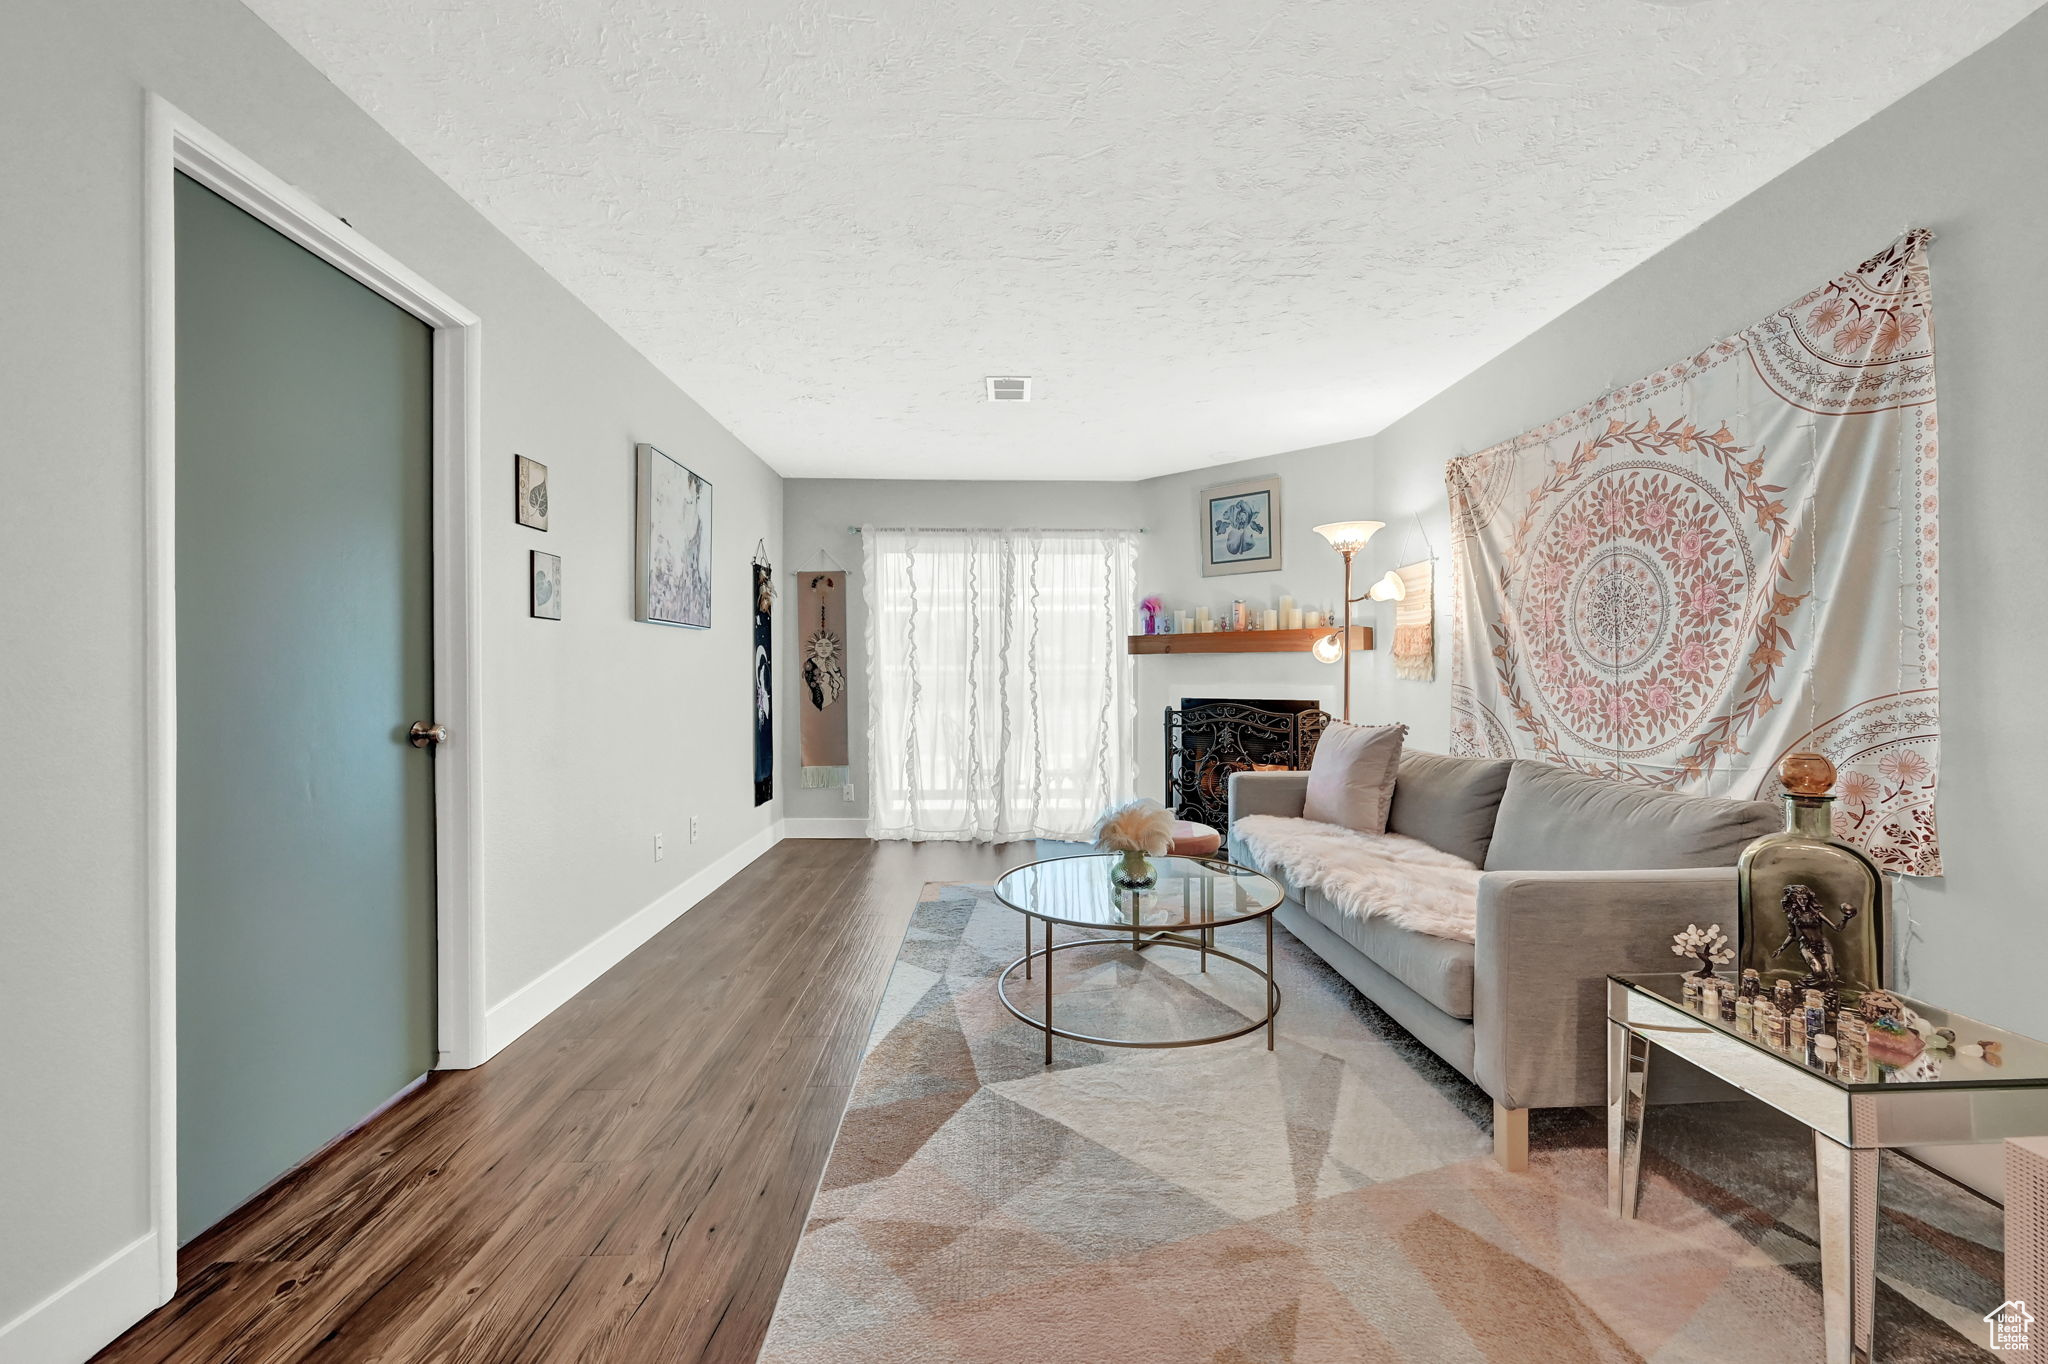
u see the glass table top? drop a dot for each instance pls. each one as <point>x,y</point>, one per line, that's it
<point>2013,1061</point>
<point>1190,892</point>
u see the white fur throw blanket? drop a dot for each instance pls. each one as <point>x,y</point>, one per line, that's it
<point>1389,876</point>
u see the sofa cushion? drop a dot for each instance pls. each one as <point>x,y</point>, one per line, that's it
<point>1438,969</point>
<point>1554,819</point>
<point>1449,803</point>
<point>1351,777</point>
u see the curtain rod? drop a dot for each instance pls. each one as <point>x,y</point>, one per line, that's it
<point>1051,530</point>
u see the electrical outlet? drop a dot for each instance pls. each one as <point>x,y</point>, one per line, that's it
<point>660,847</point>
<point>693,828</point>
<point>846,793</point>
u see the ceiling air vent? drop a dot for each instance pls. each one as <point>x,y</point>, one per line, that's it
<point>1008,390</point>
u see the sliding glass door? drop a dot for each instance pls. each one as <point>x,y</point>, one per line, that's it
<point>1000,687</point>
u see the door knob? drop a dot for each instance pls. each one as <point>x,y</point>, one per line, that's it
<point>425,733</point>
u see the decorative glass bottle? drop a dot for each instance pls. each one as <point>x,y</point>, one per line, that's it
<point>1812,907</point>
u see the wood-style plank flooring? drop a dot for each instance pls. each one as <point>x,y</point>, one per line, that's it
<point>624,1183</point>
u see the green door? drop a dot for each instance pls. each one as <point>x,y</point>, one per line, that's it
<point>305,918</point>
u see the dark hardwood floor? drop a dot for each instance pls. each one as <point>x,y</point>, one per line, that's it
<point>624,1183</point>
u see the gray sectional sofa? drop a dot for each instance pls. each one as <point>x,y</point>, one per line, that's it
<point>1582,877</point>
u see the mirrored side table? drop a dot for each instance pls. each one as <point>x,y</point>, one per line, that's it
<point>1938,1098</point>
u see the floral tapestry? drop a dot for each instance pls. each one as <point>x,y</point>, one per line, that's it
<point>1730,560</point>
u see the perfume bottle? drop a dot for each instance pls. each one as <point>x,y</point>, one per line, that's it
<point>1812,907</point>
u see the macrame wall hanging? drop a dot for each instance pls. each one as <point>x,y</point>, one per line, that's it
<point>1415,623</point>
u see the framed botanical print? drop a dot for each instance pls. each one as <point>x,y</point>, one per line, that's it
<point>531,477</point>
<point>546,600</point>
<point>1240,530</point>
<point>674,542</point>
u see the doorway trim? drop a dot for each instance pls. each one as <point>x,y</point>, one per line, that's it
<point>175,143</point>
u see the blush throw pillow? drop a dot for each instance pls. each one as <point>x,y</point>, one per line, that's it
<point>1351,778</point>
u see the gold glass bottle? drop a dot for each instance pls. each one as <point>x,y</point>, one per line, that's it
<point>1812,907</point>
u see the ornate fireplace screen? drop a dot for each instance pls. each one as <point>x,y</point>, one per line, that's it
<point>1207,740</point>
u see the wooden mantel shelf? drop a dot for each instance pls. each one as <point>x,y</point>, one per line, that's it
<point>1244,641</point>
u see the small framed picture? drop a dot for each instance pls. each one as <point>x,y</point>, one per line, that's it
<point>1240,531</point>
<point>547,586</point>
<point>532,480</point>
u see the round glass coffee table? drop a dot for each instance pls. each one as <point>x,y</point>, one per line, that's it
<point>1190,898</point>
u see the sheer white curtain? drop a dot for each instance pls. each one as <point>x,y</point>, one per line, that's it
<point>1000,703</point>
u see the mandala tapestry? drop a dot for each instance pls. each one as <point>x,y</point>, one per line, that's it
<point>1730,560</point>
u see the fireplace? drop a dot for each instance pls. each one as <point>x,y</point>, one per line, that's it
<point>1208,738</point>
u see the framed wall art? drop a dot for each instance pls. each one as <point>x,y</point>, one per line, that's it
<point>674,542</point>
<point>530,478</point>
<point>1240,530</point>
<point>545,602</point>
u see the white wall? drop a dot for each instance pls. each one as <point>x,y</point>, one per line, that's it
<point>599,731</point>
<point>1963,155</point>
<point>1329,483</point>
<point>602,731</point>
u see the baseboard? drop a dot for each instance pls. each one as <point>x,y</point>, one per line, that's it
<point>824,828</point>
<point>75,1323</point>
<point>507,1020</point>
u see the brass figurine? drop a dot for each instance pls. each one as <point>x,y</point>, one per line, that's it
<point>1804,920</point>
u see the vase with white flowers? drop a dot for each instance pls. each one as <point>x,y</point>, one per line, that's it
<point>1141,830</point>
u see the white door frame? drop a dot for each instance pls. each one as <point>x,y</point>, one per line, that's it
<point>176,143</point>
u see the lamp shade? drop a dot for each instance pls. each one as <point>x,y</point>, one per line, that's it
<point>1389,588</point>
<point>1328,648</point>
<point>1348,536</point>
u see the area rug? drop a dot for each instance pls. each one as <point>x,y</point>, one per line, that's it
<point>1330,1201</point>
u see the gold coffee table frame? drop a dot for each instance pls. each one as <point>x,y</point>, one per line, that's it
<point>1191,898</point>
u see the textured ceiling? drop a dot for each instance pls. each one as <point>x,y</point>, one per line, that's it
<point>1210,229</point>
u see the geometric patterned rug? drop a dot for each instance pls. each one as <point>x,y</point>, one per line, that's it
<point>1329,1202</point>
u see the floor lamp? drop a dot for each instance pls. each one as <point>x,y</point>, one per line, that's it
<point>1347,538</point>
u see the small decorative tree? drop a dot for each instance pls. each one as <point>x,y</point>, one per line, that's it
<point>1709,945</point>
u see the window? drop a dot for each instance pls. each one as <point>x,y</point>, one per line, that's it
<point>1000,697</point>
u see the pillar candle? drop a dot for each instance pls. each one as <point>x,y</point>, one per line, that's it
<point>1290,619</point>
<point>1272,620</point>
<point>1181,623</point>
<point>1202,619</point>
<point>1311,620</point>
<point>1286,607</point>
